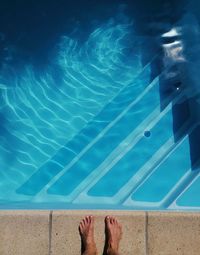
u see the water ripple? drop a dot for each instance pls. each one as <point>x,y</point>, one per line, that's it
<point>43,111</point>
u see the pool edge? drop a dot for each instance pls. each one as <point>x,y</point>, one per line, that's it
<point>56,232</point>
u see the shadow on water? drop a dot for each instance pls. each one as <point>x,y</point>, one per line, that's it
<point>31,30</point>
<point>34,27</point>
<point>172,29</point>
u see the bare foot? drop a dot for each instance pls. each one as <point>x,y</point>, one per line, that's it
<point>113,233</point>
<point>86,230</point>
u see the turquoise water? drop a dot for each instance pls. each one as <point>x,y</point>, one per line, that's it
<point>106,121</point>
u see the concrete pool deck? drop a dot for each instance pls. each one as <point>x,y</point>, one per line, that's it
<point>56,232</point>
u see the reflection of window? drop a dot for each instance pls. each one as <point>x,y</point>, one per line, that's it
<point>172,46</point>
<point>174,51</point>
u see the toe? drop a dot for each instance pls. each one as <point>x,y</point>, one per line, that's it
<point>107,218</point>
<point>80,228</point>
<point>112,220</point>
<point>107,221</point>
<point>84,221</point>
<point>87,219</point>
<point>91,218</point>
<point>81,224</point>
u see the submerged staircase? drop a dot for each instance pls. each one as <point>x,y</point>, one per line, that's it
<point>126,157</point>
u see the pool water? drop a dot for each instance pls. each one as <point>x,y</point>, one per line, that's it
<point>99,105</point>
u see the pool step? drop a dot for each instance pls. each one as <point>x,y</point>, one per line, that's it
<point>164,180</point>
<point>106,173</point>
<point>133,160</point>
<point>111,185</point>
<point>108,116</point>
<point>88,175</point>
<point>109,142</point>
<point>189,198</point>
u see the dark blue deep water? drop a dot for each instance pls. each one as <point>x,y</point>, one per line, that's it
<point>100,104</point>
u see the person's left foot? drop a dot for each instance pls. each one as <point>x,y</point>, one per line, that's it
<point>86,230</point>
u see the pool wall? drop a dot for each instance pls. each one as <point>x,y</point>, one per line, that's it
<point>56,232</point>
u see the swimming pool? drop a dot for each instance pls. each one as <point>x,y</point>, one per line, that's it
<point>96,112</point>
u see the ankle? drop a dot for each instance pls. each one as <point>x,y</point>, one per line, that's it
<point>90,250</point>
<point>113,246</point>
<point>112,251</point>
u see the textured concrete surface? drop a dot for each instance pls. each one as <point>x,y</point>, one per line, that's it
<point>65,237</point>
<point>56,233</point>
<point>24,233</point>
<point>173,233</point>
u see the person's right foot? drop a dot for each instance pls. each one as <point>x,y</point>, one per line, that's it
<point>113,233</point>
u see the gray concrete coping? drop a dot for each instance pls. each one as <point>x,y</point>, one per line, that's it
<point>56,232</point>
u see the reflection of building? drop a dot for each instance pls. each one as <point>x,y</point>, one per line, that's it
<point>172,29</point>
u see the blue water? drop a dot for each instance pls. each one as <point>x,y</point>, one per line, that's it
<point>99,105</point>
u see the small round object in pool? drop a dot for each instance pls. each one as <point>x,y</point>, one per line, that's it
<point>147,133</point>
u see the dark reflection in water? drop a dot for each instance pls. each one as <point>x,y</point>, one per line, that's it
<point>172,27</point>
<point>29,29</point>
